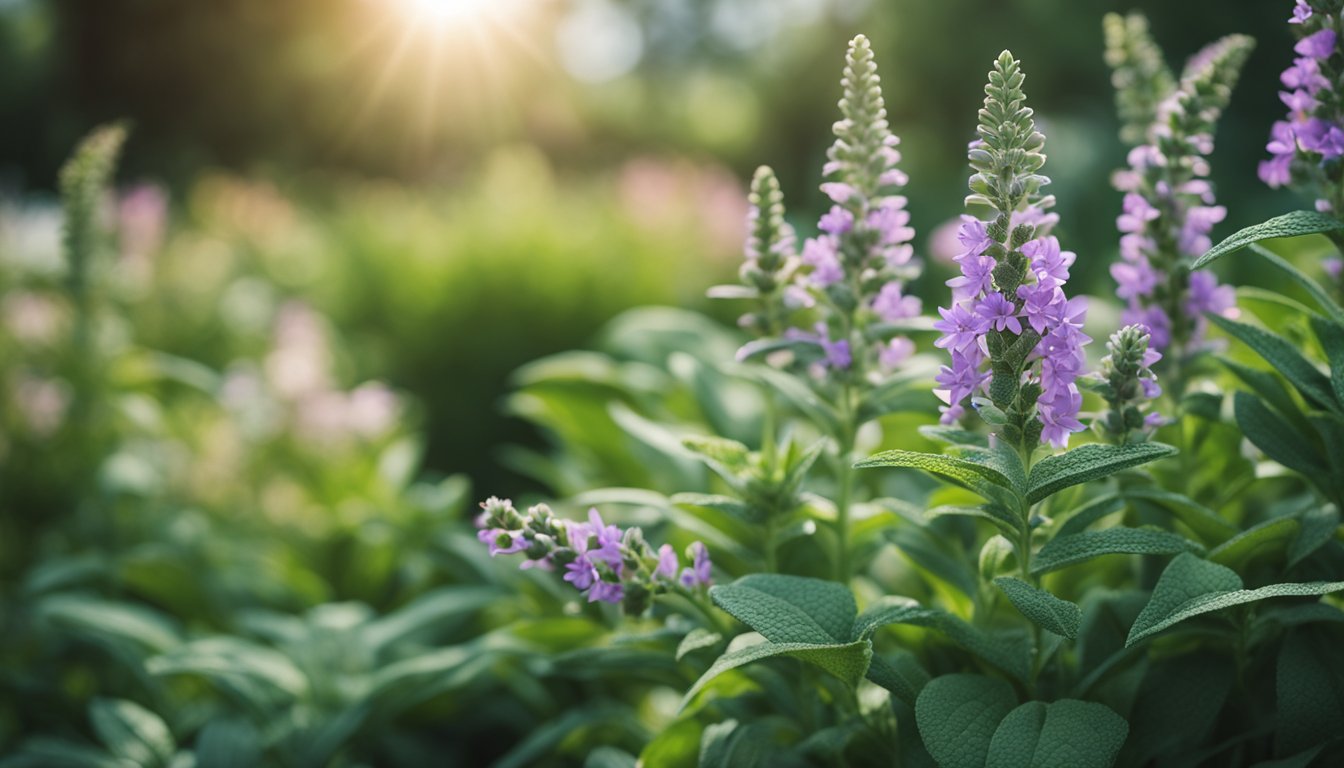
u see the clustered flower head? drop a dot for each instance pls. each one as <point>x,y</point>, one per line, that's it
<point>600,560</point>
<point>1013,333</point>
<point>1127,382</point>
<point>1306,147</point>
<point>850,279</point>
<point>1168,209</point>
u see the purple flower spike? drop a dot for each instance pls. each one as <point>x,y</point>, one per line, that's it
<point>999,313</point>
<point>1318,45</point>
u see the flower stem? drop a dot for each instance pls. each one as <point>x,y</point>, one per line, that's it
<point>845,480</point>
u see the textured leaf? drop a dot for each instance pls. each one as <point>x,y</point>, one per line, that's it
<point>1331,336</point>
<point>1271,388</point>
<point>1090,513</point>
<point>1007,656</point>
<point>1310,700</point>
<point>1062,734</point>
<point>1068,550</point>
<point>957,716</point>
<point>1089,462</point>
<point>697,639</point>
<point>1267,538</point>
<point>1272,434</point>
<point>1190,587</point>
<point>1044,609</point>
<point>790,609</point>
<point>1284,356</point>
<point>940,559</point>
<point>973,476</point>
<point>1293,224</point>
<point>847,661</point>
<point>130,731</point>
<point>1176,705</point>
<point>1202,521</point>
<point>1318,528</point>
<point>901,674</point>
<point>1318,294</point>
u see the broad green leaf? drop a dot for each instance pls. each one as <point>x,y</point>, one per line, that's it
<point>543,739</point>
<point>939,560</point>
<point>953,435</point>
<point>1267,538</point>
<point>1067,733</point>
<point>1270,387</point>
<point>697,639</point>
<point>1006,655</point>
<point>1202,521</point>
<point>899,673</point>
<point>846,661</point>
<point>979,478</point>
<point>757,744</point>
<point>1293,224</point>
<point>790,609</point>
<point>132,732</point>
<point>957,716</point>
<point>1331,336</point>
<point>1318,528</point>
<point>1177,704</point>
<point>1068,550</point>
<point>1087,463</point>
<point>1044,609</point>
<point>228,742</point>
<point>1318,294</point>
<point>610,757</point>
<point>1090,513</point>
<point>443,607</point>
<point>727,504</point>
<point>109,621</point>
<point>675,745</point>
<point>1274,435</point>
<point>43,752</point>
<point>260,675</point>
<point>1310,701</point>
<point>1190,587</point>
<point>1284,356</point>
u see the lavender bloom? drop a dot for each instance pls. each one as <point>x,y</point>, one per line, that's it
<point>1168,212</point>
<point>603,562</point>
<point>1313,133</point>
<point>1012,270</point>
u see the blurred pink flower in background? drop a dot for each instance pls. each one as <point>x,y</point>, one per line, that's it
<point>31,318</point>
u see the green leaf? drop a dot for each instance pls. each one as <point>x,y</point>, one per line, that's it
<point>1318,528</point>
<point>1274,435</point>
<point>697,639</point>
<point>1068,550</point>
<point>1067,733</point>
<point>727,504</point>
<point>1089,462</point>
<point>1044,609</point>
<point>1331,336</point>
<point>901,674</point>
<point>1318,294</point>
<point>105,620</point>
<point>1310,702</point>
<point>846,661</point>
<point>1190,587</point>
<point>1284,356</point>
<point>1202,521</point>
<point>444,607</point>
<point>957,716</point>
<point>130,731</point>
<point>790,609</point>
<point>1177,703</point>
<point>1293,224</point>
<point>228,742</point>
<point>979,478</point>
<point>1267,538</point>
<point>1007,656</point>
<point>610,757</point>
<point>1090,513</point>
<point>1270,387</point>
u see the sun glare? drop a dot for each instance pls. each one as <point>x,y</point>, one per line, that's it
<point>444,11</point>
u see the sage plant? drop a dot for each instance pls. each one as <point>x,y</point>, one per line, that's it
<point>1014,336</point>
<point>1168,208</point>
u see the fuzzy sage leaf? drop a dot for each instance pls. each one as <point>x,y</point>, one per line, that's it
<point>1293,224</point>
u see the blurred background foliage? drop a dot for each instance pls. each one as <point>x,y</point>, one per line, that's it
<point>526,168</point>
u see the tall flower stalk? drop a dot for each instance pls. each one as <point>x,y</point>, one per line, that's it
<point>834,312</point>
<point>1168,209</point>
<point>1014,336</point>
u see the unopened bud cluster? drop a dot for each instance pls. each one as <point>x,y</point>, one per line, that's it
<point>1128,383</point>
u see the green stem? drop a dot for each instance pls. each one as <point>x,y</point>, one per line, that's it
<point>845,479</point>
<point>1024,563</point>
